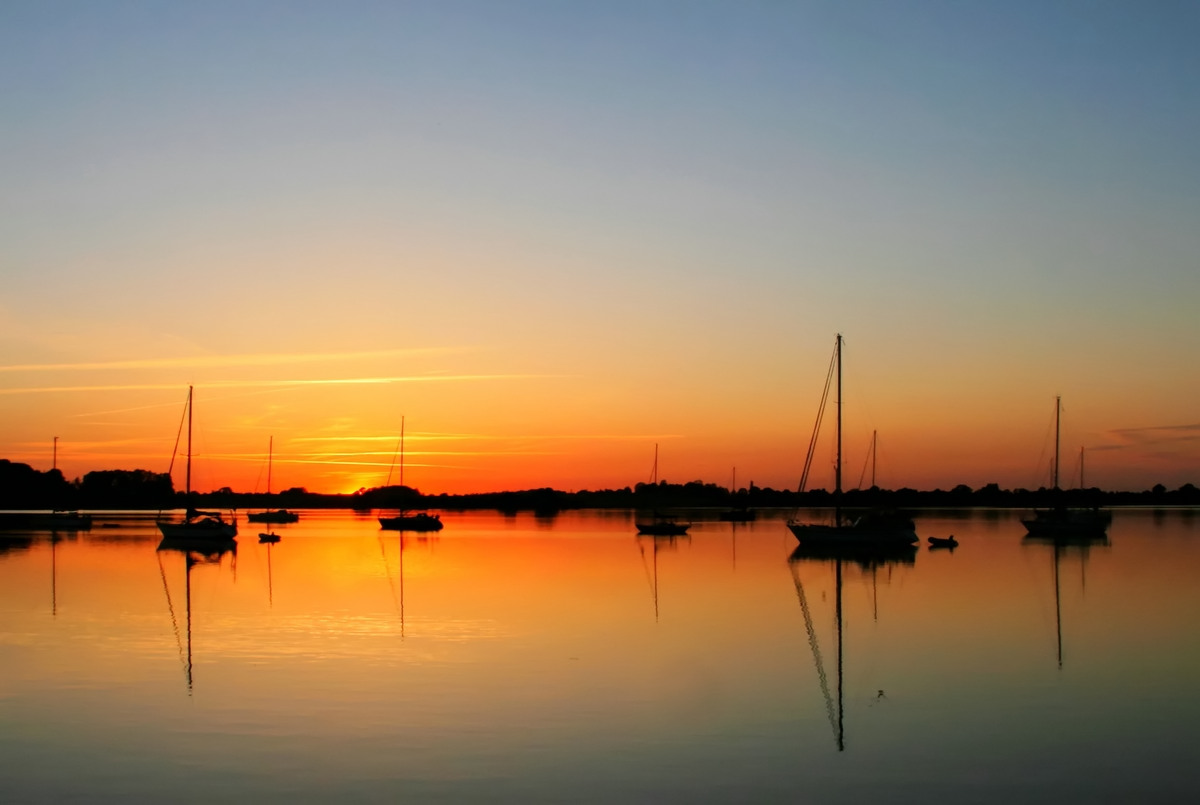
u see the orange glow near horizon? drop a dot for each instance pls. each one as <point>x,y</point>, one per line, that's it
<point>478,424</point>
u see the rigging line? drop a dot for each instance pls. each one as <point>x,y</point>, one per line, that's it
<point>393,466</point>
<point>646,569</point>
<point>270,591</point>
<point>812,442</point>
<point>816,649</point>
<point>174,622</point>
<point>866,463</point>
<point>1042,456</point>
<point>178,436</point>
<point>388,573</point>
<point>401,575</point>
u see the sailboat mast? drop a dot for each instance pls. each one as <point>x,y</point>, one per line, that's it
<point>654,555</point>
<point>188,483</point>
<point>874,454</point>
<point>401,452</point>
<point>841,734</point>
<point>270,456</point>
<point>53,574</point>
<point>1057,421</point>
<point>1082,485</point>
<point>1057,607</point>
<point>54,459</point>
<point>187,586</point>
<point>837,478</point>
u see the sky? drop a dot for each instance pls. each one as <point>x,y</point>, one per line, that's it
<point>548,237</point>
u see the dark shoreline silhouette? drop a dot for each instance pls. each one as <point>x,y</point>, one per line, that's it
<point>23,488</point>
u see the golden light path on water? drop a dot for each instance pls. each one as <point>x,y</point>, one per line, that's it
<point>518,658</point>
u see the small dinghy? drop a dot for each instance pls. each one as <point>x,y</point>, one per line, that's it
<point>943,542</point>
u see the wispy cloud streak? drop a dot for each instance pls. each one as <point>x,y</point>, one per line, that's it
<point>483,437</point>
<point>211,361</point>
<point>1123,438</point>
<point>231,384</point>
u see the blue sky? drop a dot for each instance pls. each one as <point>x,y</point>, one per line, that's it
<point>995,201</point>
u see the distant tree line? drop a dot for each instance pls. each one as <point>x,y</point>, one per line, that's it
<point>22,487</point>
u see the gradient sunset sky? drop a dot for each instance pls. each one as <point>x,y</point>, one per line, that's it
<point>551,235</point>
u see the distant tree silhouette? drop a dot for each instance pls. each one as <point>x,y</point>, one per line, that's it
<point>23,487</point>
<point>126,489</point>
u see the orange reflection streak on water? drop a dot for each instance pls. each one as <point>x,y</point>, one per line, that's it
<point>494,589</point>
<point>343,634</point>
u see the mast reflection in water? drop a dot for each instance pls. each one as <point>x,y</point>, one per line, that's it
<point>1079,546</point>
<point>195,552</point>
<point>515,660</point>
<point>865,557</point>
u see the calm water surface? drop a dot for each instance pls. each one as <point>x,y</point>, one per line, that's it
<point>514,659</point>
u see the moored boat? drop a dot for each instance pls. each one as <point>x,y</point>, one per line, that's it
<point>272,515</point>
<point>197,525</point>
<point>872,528</point>
<point>421,521</point>
<point>1067,521</point>
<point>404,521</point>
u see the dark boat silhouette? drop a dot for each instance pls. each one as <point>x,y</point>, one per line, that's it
<point>739,513</point>
<point>872,528</point>
<point>197,525</point>
<point>272,515</point>
<point>1061,520</point>
<point>403,521</point>
<point>660,524</point>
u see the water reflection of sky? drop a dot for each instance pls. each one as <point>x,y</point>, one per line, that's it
<point>504,660</point>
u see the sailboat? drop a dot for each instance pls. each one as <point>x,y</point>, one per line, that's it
<point>661,525</point>
<point>66,519</point>
<point>272,515</point>
<point>421,521</point>
<point>740,513</point>
<point>1061,520</point>
<point>197,525</point>
<point>874,528</point>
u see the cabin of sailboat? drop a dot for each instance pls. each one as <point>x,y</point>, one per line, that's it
<point>196,524</point>
<point>873,528</point>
